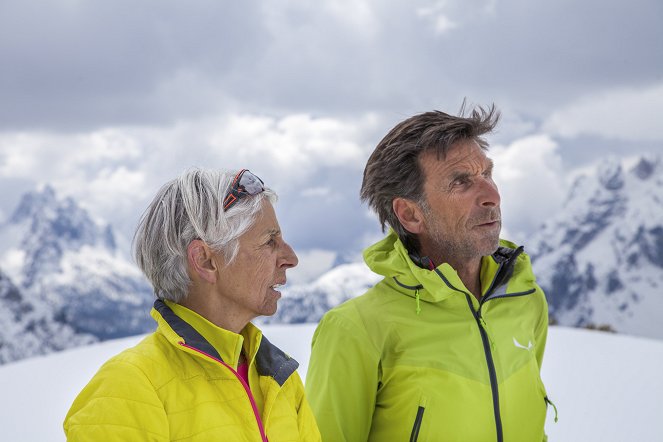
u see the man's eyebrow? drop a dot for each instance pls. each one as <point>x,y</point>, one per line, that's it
<point>459,175</point>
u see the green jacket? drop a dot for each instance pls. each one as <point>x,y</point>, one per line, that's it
<point>417,357</point>
<point>180,383</point>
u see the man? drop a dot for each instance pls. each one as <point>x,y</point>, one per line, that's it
<point>448,346</point>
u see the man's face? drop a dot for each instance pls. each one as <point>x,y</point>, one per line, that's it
<point>462,217</point>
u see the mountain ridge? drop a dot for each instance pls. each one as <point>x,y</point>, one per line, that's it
<point>63,267</point>
<point>600,258</point>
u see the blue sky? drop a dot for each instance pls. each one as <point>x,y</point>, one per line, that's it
<point>108,100</point>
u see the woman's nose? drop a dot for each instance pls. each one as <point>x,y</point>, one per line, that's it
<point>289,258</point>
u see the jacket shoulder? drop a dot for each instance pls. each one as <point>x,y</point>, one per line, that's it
<point>364,317</point>
<point>362,307</point>
<point>153,357</point>
<point>120,399</point>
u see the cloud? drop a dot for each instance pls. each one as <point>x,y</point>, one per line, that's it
<point>441,22</point>
<point>626,114</point>
<point>108,100</point>
<point>97,168</point>
<point>313,163</point>
<point>72,66</point>
<point>312,263</point>
<point>531,180</point>
<point>298,142</point>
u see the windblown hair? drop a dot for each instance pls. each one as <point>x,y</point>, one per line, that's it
<point>393,169</point>
<point>187,208</point>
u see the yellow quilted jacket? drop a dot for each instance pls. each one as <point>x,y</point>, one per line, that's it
<point>180,384</point>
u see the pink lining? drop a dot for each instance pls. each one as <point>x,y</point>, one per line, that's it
<point>243,372</point>
<point>244,384</point>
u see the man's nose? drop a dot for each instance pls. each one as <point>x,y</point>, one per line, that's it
<point>490,195</point>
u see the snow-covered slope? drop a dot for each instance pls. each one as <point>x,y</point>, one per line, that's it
<point>600,260</point>
<point>308,302</point>
<point>65,266</point>
<point>606,387</point>
<point>28,329</point>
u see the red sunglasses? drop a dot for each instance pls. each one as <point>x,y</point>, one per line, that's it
<point>245,183</point>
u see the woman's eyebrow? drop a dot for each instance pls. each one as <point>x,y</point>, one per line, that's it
<point>272,232</point>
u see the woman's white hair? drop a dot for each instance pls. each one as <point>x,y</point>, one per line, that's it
<point>187,208</point>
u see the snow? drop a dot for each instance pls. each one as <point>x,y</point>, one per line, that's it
<point>606,387</point>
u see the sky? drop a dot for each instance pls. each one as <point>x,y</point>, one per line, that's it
<point>106,101</point>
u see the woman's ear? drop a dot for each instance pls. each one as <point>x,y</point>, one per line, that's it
<point>202,261</point>
<point>409,214</point>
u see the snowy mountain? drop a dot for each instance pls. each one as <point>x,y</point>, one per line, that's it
<point>308,302</point>
<point>64,266</point>
<point>600,260</point>
<point>28,330</point>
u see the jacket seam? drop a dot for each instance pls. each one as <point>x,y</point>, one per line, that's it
<point>140,369</point>
<point>122,398</point>
<point>512,295</point>
<point>409,287</point>
<point>142,429</point>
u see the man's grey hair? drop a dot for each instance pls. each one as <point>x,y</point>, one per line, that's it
<point>393,169</point>
<point>187,208</point>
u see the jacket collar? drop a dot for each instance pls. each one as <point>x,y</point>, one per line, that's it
<point>269,359</point>
<point>390,259</point>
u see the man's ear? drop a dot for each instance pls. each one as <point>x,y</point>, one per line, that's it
<point>201,260</point>
<point>409,214</point>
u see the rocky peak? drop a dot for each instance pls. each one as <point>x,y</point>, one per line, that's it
<point>611,174</point>
<point>600,258</point>
<point>646,166</point>
<point>49,227</point>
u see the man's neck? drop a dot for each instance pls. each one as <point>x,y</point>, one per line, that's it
<point>469,273</point>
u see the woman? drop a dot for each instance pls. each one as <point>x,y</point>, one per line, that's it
<point>212,248</point>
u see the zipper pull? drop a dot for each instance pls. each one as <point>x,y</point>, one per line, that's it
<point>485,327</point>
<point>548,401</point>
<point>416,297</point>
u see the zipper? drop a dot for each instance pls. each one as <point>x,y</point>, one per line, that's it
<point>417,424</point>
<point>487,352</point>
<point>492,374</point>
<point>261,428</point>
<point>485,338</point>
<point>549,402</point>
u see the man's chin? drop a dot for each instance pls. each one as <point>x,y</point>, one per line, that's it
<point>490,246</point>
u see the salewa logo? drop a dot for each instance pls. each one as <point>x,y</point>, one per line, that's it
<point>519,345</point>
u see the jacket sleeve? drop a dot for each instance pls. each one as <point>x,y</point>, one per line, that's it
<point>541,330</point>
<point>118,404</point>
<point>541,336</point>
<point>342,378</point>
<point>308,428</point>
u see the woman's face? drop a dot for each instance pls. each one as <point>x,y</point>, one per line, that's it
<point>250,283</point>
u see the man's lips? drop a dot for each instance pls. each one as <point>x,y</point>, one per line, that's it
<point>489,223</point>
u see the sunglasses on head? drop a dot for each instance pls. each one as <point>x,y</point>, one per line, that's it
<point>245,183</point>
